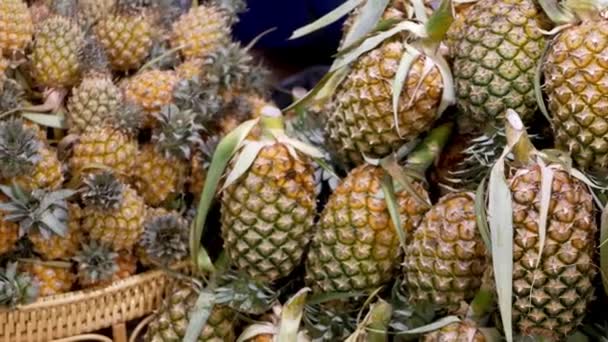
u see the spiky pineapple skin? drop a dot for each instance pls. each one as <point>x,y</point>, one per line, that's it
<point>52,280</point>
<point>151,90</point>
<point>446,256</point>
<point>16,26</point>
<point>267,215</point>
<point>94,10</point>
<point>126,39</point>
<point>174,315</point>
<point>551,300</point>
<point>104,146</point>
<point>120,228</point>
<point>362,119</point>
<point>575,85</point>
<point>158,178</point>
<point>58,42</point>
<point>190,68</point>
<point>92,103</point>
<point>201,31</point>
<point>47,173</point>
<point>496,53</point>
<point>60,247</point>
<point>456,332</point>
<point>9,233</point>
<point>356,246</point>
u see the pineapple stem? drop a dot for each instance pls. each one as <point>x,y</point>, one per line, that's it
<point>272,121</point>
<point>439,23</point>
<point>518,138</point>
<point>429,149</point>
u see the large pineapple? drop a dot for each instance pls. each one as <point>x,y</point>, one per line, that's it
<point>114,213</point>
<point>446,256</point>
<point>16,27</point>
<point>574,72</point>
<point>99,265</point>
<point>496,51</point>
<point>267,213</point>
<point>151,90</point>
<point>174,315</point>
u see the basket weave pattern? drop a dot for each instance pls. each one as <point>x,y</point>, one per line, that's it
<point>80,312</point>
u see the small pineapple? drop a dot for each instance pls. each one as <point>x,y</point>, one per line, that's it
<point>98,265</point>
<point>127,37</point>
<point>174,314</point>
<point>51,279</point>
<point>16,288</point>
<point>114,213</point>
<point>56,53</point>
<point>165,238</point>
<point>16,27</point>
<point>27,160</point>
<point>151,90</point>
<point>51,224</point>
<point>161,166</point>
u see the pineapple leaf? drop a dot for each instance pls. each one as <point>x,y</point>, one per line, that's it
<point>393,209</point>
<point>377,321</point>
<point>491,334</point>
<point>244,161</point>
<point>204,261</point>
<point>322,90</point>
<point>291,316</point>
<point>327,19</point>
<point>47,120</point>
<point>604,248</point>
<point>371,13</point>
<point>481,215</point>
<point>546,174</point>
<point>199,315</point>
<point>538,88</point>
<point>252,331</point>
<point>321,298</point>
<point>231,143</point>
<point>439,23</point>
<point>448,96</point>
<point>420,10</point>
<point>405,65</point>
<point>438,324</point>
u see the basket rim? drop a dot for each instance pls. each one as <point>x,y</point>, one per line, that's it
<point>79,295</point>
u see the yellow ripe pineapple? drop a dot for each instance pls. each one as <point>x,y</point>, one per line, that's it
<point>52,280</point>
<point>151,90</point>
<point>98,265</point>
<point>127,37</point>
<point>26,159</point>
<point>160,168</point>
<point>190,68</point>
<point>9,233</point>
<point>57,246</point>
<point>58,43</point>
<point>92,11</point>
<point>16,27</point>
<point>114,213</point>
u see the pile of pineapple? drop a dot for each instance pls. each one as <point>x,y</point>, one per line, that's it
<point>443,182</point>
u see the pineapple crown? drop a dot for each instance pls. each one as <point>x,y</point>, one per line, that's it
<point>201,98</point>
<point>19,148</point>
<point>128,118</point>
<point>230,67</point>
<point>160,53</point>
<point>231,7</point>
<point>206,149</point>
<point>177,132</point>
<point>41,210</point>
<point>16,288</point>
<point>96,262</point>
<point>11,95</point>
<point>65,8</point>
<point>165,238</point>
<point>94,58</point>
<point>102,191</point>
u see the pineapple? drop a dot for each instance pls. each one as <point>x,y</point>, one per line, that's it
<point>165,238</point>
<point>52,280</point>
<point>3,68</point>
<point>16,27</point>
<point>267,213</point>
<point>199,163</point>
<point>51,224</point>
<point>92,11</point>
<point>151,90</point>
<point>98,265</point>
<point>126,36</point>
<point>9,233</point>
<point>27,160</point>
<point>465,331</point>
<point>55,58</point>
<point>161,166</point>
<point>114,213</point>
<point>190,68</point>
<point>496,52</point>
<point>173,316</point>
<point>446,256</point>
<point>574,84</point>
<point>16,288</point>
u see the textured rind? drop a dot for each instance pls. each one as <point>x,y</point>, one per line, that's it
<point>9,234</point>
<point>267,215</point>
<point>127,40</point>
<point>446,256</point>
<point>190,68</point>
<point>496,54</point>
<point>47,173</point>
<point>92,103</point>
<point>60,247</point>
<point>51,280</point>
<point>201,31</point>
<point>576,84</point>
<point>151,90</point>
<point>93,10</point>
<point>551,300</point>
<point>174,314</point>
<point>456,332</point>
<point>198,175</point>
<point>56,53</point>
<point>16,27</point>
<point>157,177</point>
<point>120,228</point>
<point>356,246</point>
<point>362,120</point>
<point>104,146</point>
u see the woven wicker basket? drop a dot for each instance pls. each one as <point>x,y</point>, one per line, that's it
<point>80,312</point>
